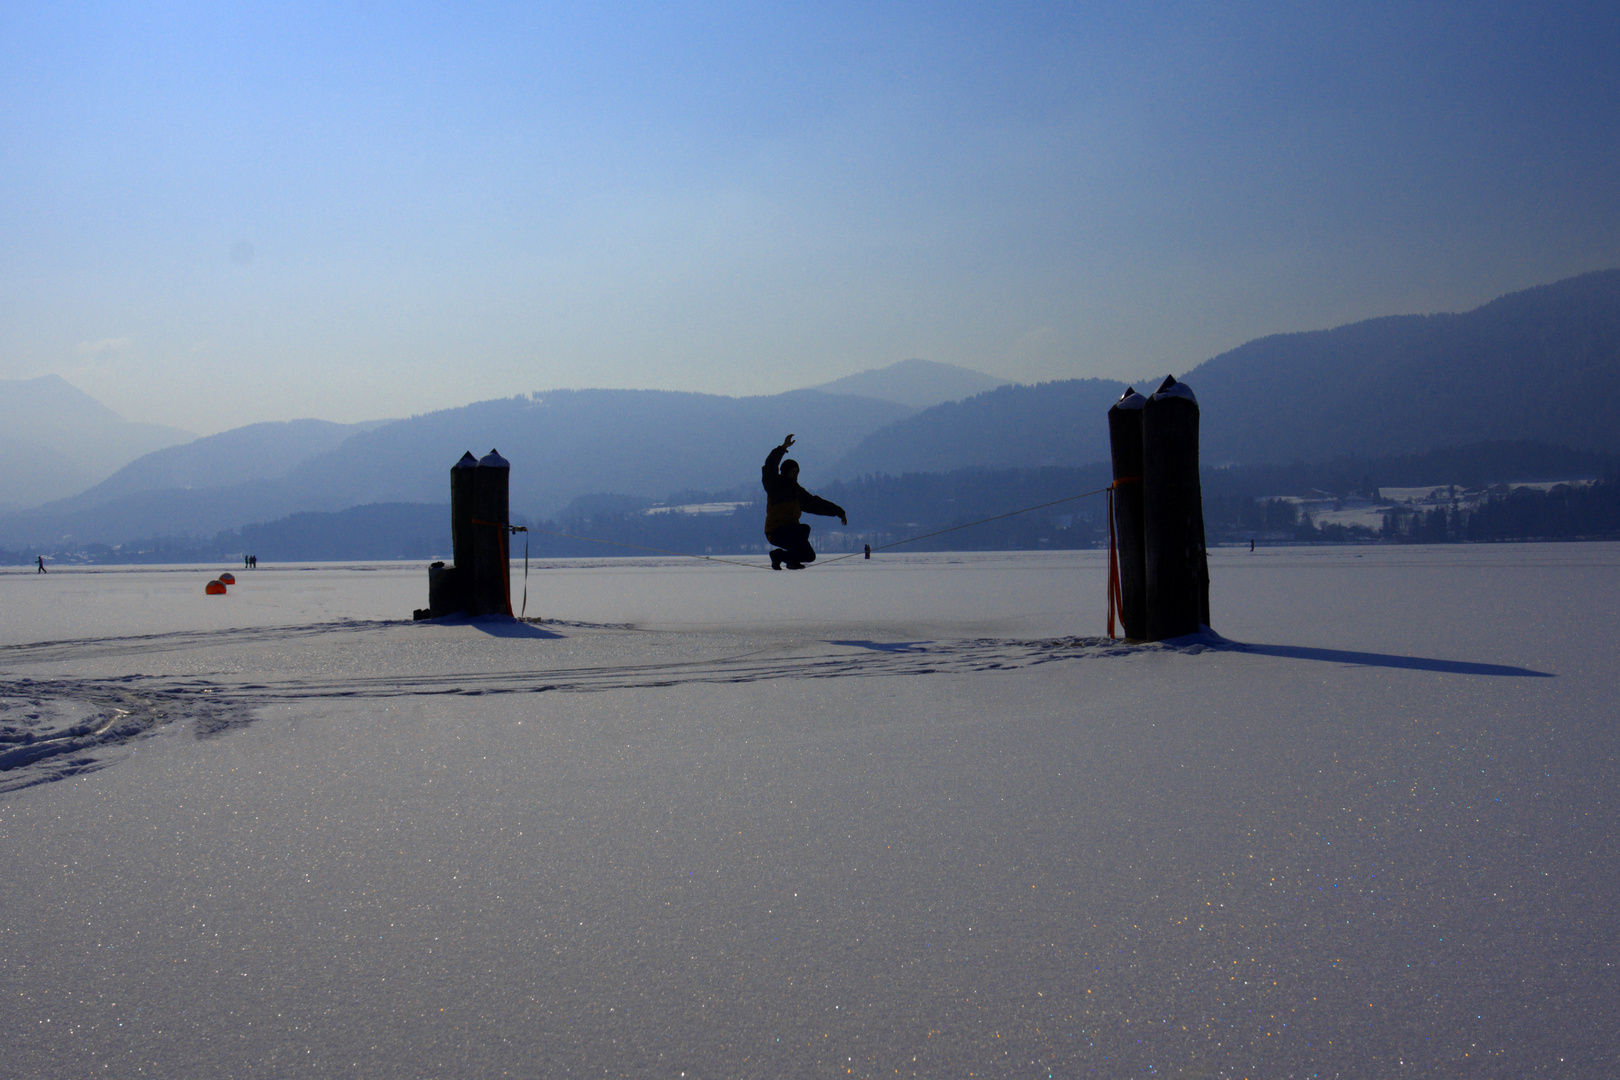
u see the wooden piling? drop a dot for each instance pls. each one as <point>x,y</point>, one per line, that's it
<point>463,504</point>
<point>450,587</point>
<point>492,580</point>
<point>1125,444</point>
<point>1177,567</point>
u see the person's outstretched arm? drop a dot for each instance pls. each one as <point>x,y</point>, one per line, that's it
<point>773,463</point>
<point>815,504</point>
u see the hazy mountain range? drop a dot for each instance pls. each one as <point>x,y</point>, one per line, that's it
<point>68,449</point>
<point>1053,423</point>
<point>264,451</point>
<point>55,440</point>
<point>919,384</point>
<point>1541,365</point>
<point>562,444</point>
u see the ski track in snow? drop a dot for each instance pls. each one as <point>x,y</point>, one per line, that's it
<point>115,710</point>
<point>118,709</point>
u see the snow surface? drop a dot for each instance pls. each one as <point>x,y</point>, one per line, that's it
<point>908,816</point>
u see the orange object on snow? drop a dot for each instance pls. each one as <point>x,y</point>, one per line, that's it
<point>215,588</point>
<point>229,579</point>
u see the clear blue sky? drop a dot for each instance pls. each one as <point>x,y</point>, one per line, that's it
<point>216,214</point>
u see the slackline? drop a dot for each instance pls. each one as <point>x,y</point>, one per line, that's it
<point>970,524</point>
<point>820,562</point>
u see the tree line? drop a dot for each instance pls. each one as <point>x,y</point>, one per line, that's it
<point>1239,502</point>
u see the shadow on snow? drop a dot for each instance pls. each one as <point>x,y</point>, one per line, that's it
<point>1389,660</point>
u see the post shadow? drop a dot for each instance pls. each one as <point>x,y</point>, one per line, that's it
<point>886,646</point>
<point>501,626</point>
<point>1389,660</point>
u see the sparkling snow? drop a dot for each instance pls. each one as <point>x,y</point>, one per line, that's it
<point>911,816</point>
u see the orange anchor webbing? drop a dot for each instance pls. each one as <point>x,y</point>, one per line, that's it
<point>506,578</point>
<point>1113,567</point>
<point>506,560</point>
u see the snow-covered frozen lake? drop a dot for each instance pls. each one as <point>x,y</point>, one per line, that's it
<point>913,816</point>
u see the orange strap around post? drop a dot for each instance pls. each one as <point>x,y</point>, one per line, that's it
<point>1116,598</point>
<point>1113,565</point>
<point>506,528</point>
<point>506,578</point>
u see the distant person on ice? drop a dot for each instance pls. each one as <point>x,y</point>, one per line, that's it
<point>40,560</point>
<point>785,500</point>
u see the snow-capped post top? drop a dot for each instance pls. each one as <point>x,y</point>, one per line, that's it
<point>493,460</point>
<point>1170,388</point>
<point>1130,399</point>
<point>467,462</point>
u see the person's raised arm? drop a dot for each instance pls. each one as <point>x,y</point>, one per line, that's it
<point>773,462</point>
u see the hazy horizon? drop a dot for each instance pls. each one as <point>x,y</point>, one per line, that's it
<point>218,218</point>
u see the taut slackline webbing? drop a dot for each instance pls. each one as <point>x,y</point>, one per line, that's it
<point>644,547</point>
<point>821,562</point>
<point>1114,598</point>
<point>969,525</point>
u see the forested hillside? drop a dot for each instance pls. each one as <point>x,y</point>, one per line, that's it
<point>1541,365</point>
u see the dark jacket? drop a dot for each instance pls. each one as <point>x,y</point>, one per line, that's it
<point>785,500</point>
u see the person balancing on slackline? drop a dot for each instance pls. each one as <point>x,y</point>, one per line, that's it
<point>785,500</point>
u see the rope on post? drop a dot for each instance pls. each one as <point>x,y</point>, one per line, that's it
<point>1116,601</point>
<point>507,529</point>
<point>525,532</point>
<point>506,571</point>
<point>1113,566</point>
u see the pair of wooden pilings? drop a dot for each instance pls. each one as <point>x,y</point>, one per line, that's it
<point>1159,513</point>
<point>479,582</point>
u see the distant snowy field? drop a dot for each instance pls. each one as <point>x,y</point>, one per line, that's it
<point>912,816</point>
